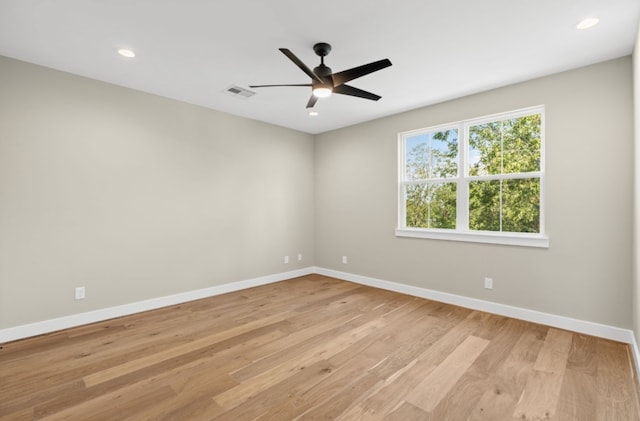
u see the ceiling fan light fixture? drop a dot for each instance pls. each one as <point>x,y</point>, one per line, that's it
<point>322,91</point>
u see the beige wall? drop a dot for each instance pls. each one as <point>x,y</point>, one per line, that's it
<point>136,196</point>
<point>587,271</point>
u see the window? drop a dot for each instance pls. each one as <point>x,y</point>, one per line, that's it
<point>479,180</point>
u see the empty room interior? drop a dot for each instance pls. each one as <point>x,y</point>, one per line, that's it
<point>290,210</point>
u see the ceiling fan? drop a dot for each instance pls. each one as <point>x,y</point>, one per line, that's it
<point>323,82</point>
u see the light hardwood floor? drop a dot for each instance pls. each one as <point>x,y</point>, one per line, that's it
<point>316,348</point>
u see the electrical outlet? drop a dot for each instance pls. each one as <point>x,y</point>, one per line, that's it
<point>80,293</point>
<point>286,259</point>
<point>488,283</point>
<point>344,259</point>
<point>299,257</point>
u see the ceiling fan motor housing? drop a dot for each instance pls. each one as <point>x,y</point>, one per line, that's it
<point>322,71</point>
<point>322,49</point>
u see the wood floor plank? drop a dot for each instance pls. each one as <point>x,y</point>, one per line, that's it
<point>405,324</point>
<point>276,402</point>
<point>542,391</point>
<point>496,403</point>
<point>308,401</point>
<point>433,327</point>
<point>430,391</point>
<point>387,395</point>
<point>148,360</point>
<point>18,415</point>
<point>311,348</point>
<point>482,375</point>
<point>111,350</point>
<point>578,396</point>
<point>615,396</point>
<point>507,380</point>
<point>583,354</point>
<point>200,408</point>
<point>341,402</point>
<point>407,412</point>
<point>30,398</point>
<point>115,405</point>
<point>262,381</point>
<point>265,358</point>
<point>460,402</point>
<point>169,374</point>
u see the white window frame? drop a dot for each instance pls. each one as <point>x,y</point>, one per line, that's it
<point>462,231</point>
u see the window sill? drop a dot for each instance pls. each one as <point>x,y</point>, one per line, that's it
<point>512,239</point>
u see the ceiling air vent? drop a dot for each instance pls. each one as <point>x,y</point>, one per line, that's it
<point>239,92</point>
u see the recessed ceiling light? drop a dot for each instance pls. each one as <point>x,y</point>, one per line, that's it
<point>313,113</point>
<point>587,23</point>
<point>125,52</point>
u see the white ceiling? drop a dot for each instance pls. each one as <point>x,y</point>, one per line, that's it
<point>192,50</point>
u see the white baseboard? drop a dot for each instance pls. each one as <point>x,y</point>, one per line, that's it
<point>561,322</point>
<point>48,326</point>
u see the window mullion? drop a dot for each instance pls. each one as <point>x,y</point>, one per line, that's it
<point>402,185</point>
<point>463,182</point>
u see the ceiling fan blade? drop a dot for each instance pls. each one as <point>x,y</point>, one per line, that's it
<point>356,72</point>
<point>300,64</point>
<point>269,86</point>
<point>350,90</point>
<point>312,101</point>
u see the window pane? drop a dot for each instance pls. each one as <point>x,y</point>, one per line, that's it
<point>432,155</point>
<point>417,206</point>
<point>507,205</point>
<point>431,206</point>
<point>485,149</point>
<point>521,144</point>
<point>443,205</point>
<point>484,205</point>
<point>521,205</point>
<point>505,147</point>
